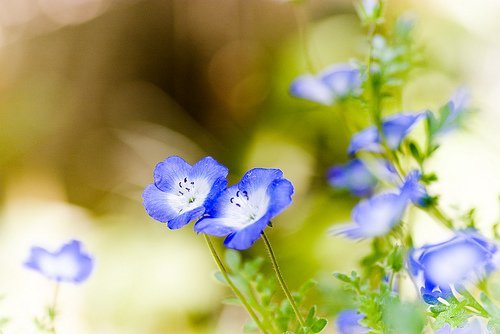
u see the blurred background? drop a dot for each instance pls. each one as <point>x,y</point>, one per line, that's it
<point>94,93</point>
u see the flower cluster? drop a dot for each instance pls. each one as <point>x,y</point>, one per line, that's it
<point>182,193</point>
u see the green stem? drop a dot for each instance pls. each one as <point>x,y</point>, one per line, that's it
<point>279,276</point>
<point>301,20</point>
<point>438,214</point>
<point>231,284</point>
<point>52,309</point>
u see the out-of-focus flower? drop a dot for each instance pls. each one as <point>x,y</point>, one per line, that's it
<point>374,216</point>
<point>331,85</point>
<point>371,7</point>
<point>451,114</point>
<point>181,192</point>
<point>395,128</point>
<point>467,257</point>
<point>377,215</point>
<point>414,190</point>
<point>244,210</point>
<point>347,322</point>
<point>473,326</point>
<point>357,177</point>
<point>68,264</point>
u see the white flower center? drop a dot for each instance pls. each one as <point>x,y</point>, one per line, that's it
<point>188,194</point>
<point>245,209</point>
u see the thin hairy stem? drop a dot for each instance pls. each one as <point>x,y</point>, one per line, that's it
<point>279,276</point>
<point>233,287</point>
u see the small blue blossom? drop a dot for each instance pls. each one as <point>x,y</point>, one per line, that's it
<point>333,84</point>
<point>181,192</point>
<point>414,190</point>
<point>358,178</point>
<point>68,264</point>
<point>347,322</point>
<point>395,128</point>
<point>377,215</point>
<point>374,217</point>
<point>244,210</point>
<point>473,326</point>
<point>466,257</point>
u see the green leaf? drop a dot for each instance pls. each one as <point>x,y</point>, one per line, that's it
<point>220,278</point>
<point>456,315</point>
<point>233,260</point>
<point>318,325</point>
<point>250,326</point>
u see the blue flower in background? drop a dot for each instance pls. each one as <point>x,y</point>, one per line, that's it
<point>333,84</point>
<point>467,257</point>
<point>68,264</point>
<point>244,210</point>
<point>370,7</point>
<point>358,178</point>
<point>347,322</point>
<point>414,190</point>
<point>395,128</point>
<point>377,215</point>
<point>181,192</point>
<point>473,326</point>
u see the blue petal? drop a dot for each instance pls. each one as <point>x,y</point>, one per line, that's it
<point>347,322</point>
<point>208,169</point>
<point>244,238</point>
<point>218,227</point>
<point>258,179</point>
<point>217,189</point>
<point>156,204</point>
<point>414,190</point>
<point>366,140</point>
<point>375,216</point>
<point>466,257</point>
<point>185,218</point>
<point>168,173</point>
<point>397,127</point>
<point>68,264</point>
<point>353,176</point>
<point>310,88</point>
<point>343,80</point>
<point>280,192</point>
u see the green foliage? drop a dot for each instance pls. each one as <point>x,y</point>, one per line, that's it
<point>260,291</point>
<point>455,314</point>
<point>46,323</point>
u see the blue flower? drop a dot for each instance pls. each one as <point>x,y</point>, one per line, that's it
<point>414,190</point>
<point>358,178</point>
<point>348,322</point>
<point>377,215</point>
<point>374,217</point>
<point>244,210</point>
<point>68,264</point>
<point>395,128</point>
<point>466,257</point>
<point>333,84</point>
<point>181,192</point>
